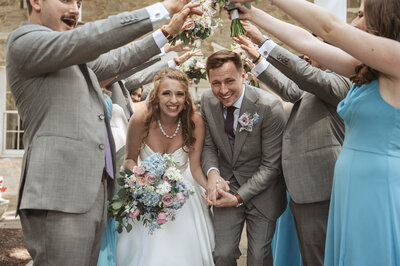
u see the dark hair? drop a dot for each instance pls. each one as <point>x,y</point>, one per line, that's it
<point>186,115</point>
<point>381,19</point>
<point>219,58</point>
<point>28,4</point>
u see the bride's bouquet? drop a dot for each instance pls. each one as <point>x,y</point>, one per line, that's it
<point>195,68</point>
<point>151,193</point>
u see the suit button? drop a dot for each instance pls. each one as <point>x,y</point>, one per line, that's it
<point>101,146</point>
<point>234,168</point>
<point>101,116</point>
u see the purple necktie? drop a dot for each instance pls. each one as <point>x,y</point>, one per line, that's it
<point>109,163</point>
<point>229,125</point>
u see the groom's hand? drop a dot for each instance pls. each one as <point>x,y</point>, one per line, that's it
<point>215,181</point>
<point>226,199</point>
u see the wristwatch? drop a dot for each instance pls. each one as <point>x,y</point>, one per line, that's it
<point>264,38</point>
<point>239,199</point>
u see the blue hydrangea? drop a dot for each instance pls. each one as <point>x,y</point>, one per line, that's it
<point>155,163</point>
<point>256,117</point>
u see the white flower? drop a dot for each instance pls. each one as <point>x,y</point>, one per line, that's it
<point>173,174</point>
<point>163,188</point>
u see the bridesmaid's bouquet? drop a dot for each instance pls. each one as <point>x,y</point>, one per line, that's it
<point>236,26</point>
<point>198,27</point>
<point>151,193</point>
<point>195,68</point>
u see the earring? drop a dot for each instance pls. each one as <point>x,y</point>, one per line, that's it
<point>157,106</point>
<point>184,107</point>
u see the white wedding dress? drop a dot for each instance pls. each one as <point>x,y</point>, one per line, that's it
<point>186,241</point>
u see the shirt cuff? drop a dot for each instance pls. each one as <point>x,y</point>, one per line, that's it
<point>212,168</point>
<point>260,67</point>
<point>159,38</point>
<point>158,13</point>
<point>266,48</point>
<point>171,63</point>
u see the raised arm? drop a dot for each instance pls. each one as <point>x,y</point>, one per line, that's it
<point>302,41</point>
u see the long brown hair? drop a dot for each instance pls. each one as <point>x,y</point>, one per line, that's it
<point>153,110</point>
<point>382,18</point>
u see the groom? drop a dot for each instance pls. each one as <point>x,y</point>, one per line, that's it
<point>245,153</point>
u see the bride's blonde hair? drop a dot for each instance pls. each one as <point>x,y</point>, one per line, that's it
<point>153,110</point>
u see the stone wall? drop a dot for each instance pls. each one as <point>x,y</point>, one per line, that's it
<point>12,14</point>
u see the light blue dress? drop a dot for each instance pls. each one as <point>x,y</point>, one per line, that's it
<point>364,215</point>
<point>285,245</point>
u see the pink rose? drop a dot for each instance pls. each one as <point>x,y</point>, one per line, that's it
<point>168,199</point>
<point>180,197</point>
<point>150,178</point>
<point>139,170</point>
<point>189,24</point>
<point>244,120</point>
<point>162,218</point>
<point>134,214</point>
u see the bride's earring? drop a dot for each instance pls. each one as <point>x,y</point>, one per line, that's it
<point>157,106</point>
<point>184,107</point>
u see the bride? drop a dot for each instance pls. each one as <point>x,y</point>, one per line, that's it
<point>170,125</point>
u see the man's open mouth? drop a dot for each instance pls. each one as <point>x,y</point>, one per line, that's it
<point>70,21</point>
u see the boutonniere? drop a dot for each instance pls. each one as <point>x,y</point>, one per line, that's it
<point>247,121</point>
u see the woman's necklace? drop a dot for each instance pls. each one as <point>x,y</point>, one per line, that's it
<point>165,134</point>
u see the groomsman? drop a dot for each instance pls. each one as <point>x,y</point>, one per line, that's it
<point>312,139</point>
<point>242,145</point>
<point>69,150</point>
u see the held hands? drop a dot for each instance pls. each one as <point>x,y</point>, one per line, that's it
<point>177,21</point>
<point>226,199</point>
<point>214,182</point>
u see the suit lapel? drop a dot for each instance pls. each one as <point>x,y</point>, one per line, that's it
<point>218,116</point>
<point>248,105</point>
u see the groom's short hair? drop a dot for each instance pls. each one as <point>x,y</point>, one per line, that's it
<point>217,59</point>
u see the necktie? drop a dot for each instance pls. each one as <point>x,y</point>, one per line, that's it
<point>229,125</point>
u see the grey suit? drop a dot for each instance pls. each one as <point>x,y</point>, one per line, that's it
<point>63,113</point>
<point>255,163</point>
<point>311,142</point>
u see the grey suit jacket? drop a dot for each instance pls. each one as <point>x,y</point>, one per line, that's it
<point>63,115</point>
<point>256,159</point>
<point>314,132</point>
<point>144,76</point>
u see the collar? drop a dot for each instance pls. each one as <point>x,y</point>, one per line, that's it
<point>239,101</point>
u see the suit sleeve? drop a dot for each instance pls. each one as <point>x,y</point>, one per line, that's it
<point>270,170</point>
<point>279,83</point>
<point>124,58</point>
<point>144,76</point>
<point>326,85</point>
<point>38,50</point>
<point>209,156</point>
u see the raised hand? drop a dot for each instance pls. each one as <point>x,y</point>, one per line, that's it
<point>252,32</point>
<point>179,18</point>
<point>247,46</point>
<point>181,59</point>
<point>179,46</point>
<point>174,6</point>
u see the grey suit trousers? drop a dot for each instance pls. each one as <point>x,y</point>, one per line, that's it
<point>311,221</point>
<point>71,239</point>
<point>228,226</point>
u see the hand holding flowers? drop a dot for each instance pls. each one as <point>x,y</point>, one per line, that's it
<point>151,193</point>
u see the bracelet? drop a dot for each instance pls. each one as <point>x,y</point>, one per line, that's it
<point>258,58</point>
<point>166,34</point>
<point>239,199</point>
<point>176,61</point>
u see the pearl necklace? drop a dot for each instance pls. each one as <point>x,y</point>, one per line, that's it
<point>164,133</point>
